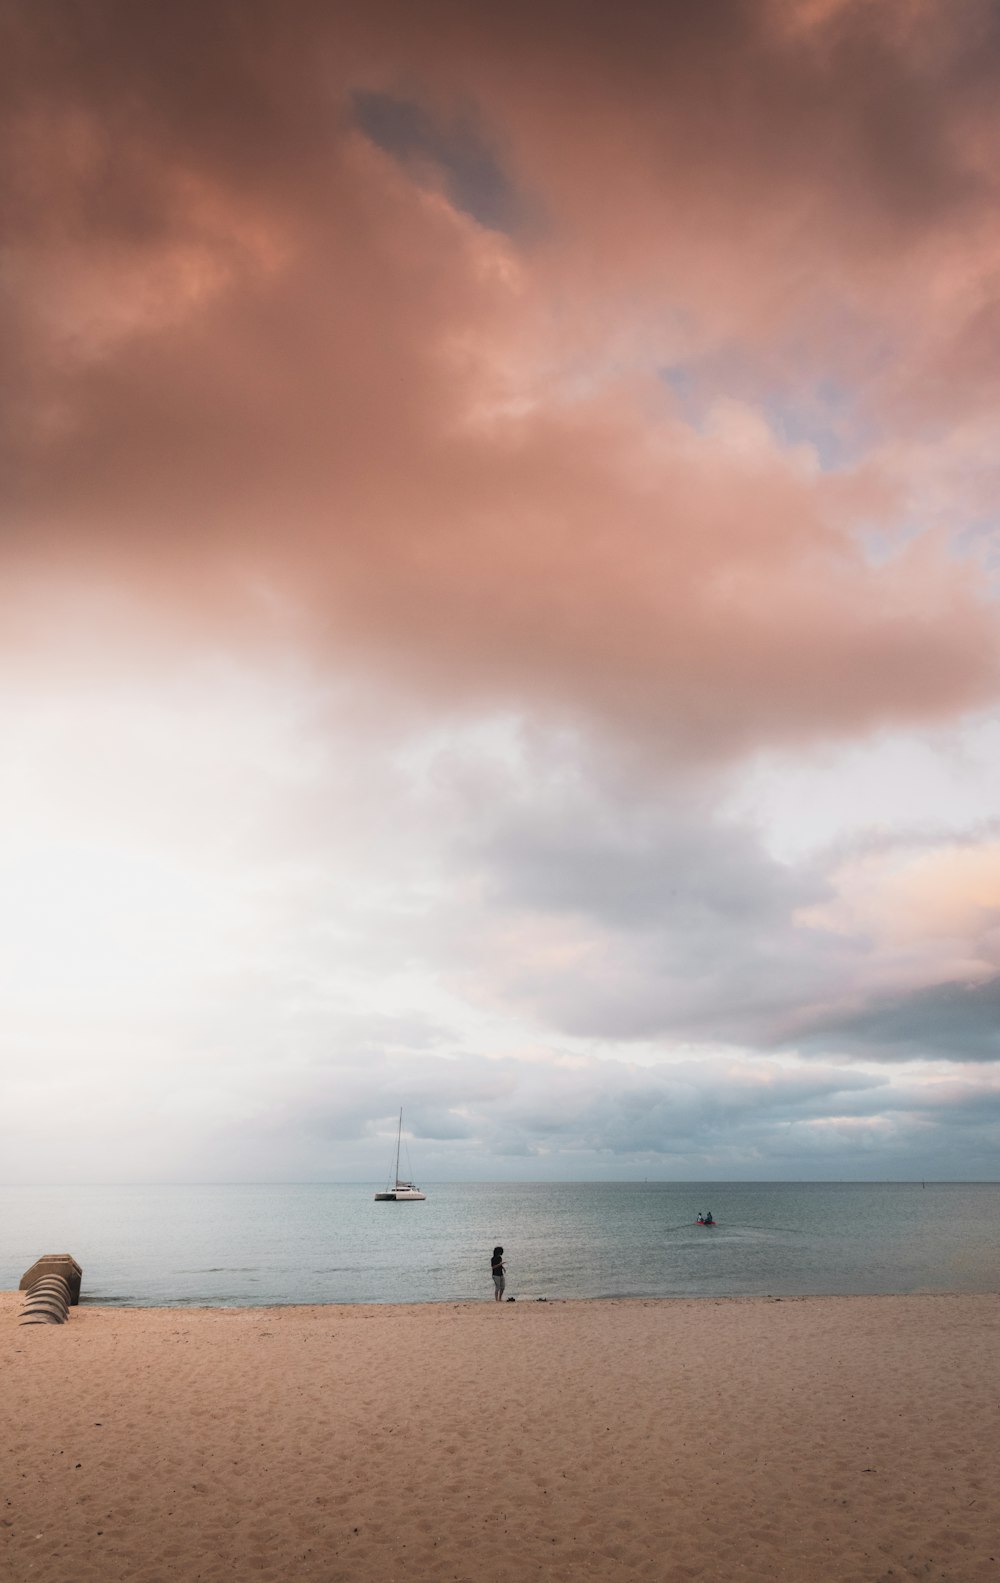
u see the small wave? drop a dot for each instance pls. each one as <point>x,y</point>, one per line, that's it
<point>222,1269</point>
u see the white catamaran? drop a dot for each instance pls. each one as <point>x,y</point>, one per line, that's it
<point>402,1192</point>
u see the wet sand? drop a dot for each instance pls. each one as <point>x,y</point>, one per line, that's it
<point>820,1440</point>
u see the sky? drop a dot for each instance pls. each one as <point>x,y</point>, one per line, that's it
<point>499,573</point>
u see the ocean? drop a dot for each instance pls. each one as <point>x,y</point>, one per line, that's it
<point>254,1244</point>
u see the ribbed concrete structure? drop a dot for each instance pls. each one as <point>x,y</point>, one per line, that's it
<point>53,1286</point>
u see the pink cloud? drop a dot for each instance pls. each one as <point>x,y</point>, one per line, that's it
<point>256,351</point>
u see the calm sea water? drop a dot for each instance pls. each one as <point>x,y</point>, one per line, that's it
<point>245,1244</point>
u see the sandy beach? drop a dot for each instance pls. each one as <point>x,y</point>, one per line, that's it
<point>849,1440</point>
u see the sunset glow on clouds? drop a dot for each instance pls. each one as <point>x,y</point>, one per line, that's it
<point>499,600</point>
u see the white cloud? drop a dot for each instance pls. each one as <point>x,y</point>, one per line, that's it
<point>238,930</point>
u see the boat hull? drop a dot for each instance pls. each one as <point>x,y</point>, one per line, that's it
<point>404,1196</point>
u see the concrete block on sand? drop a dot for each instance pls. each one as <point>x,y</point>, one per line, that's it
<point>62,1264</point>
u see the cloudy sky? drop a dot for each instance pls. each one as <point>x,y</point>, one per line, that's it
<point>499,589</point>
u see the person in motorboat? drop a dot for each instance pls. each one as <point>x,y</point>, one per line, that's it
<point>701,1219</point>
<point>708,1221</point>
<point>499,1273</point>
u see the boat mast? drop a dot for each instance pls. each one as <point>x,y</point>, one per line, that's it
<point>399,1136</point>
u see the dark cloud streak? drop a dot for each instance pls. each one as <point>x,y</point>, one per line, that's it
<point>949,1022</point>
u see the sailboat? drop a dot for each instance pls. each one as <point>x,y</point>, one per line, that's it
<point>401,1192</point>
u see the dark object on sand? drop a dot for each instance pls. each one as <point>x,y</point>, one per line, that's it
<point>53,1286</point>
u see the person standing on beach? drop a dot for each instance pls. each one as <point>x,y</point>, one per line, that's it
<point>497,1267</point>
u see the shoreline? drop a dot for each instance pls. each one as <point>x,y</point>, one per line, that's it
<point>111,1305</point>
<point>698,1440</point>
